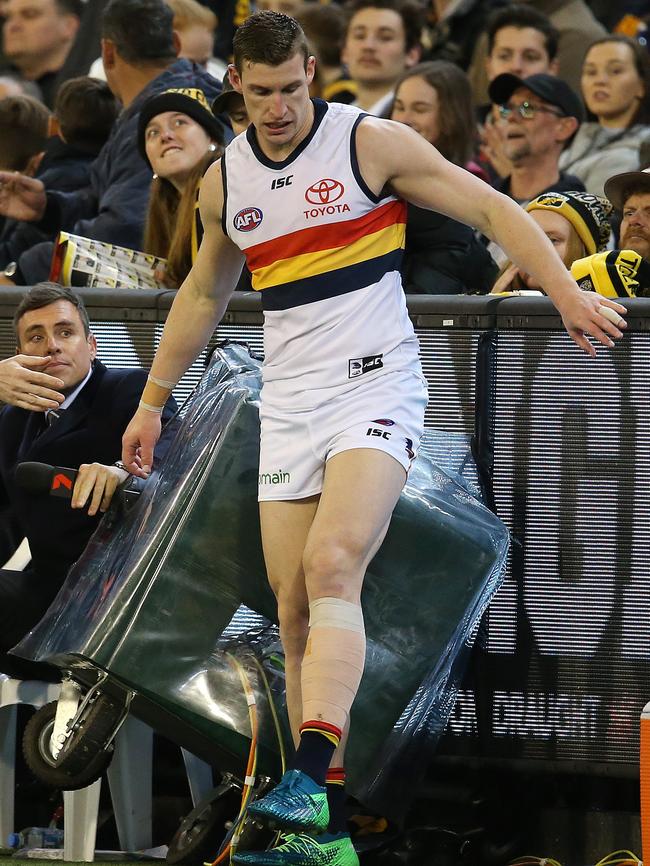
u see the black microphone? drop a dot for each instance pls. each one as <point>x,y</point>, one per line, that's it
<point>41,478</point>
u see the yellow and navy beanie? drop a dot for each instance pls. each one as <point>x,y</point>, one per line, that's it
<point>613,274</point>
<point>588,214</point>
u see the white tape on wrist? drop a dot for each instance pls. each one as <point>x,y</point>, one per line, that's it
<point>149,408</point>
<point>163,383</point>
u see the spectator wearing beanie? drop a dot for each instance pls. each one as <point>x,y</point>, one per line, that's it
<point>180,138</point>
<point>577,224</point>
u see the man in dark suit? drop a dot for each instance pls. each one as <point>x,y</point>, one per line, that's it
<point>84,433</point>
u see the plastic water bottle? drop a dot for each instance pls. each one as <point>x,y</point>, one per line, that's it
<point>36,837</point>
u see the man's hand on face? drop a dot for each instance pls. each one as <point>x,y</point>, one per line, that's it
<point>23,385</point>
<point>97,483</point>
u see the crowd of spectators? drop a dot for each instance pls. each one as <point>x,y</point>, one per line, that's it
<point>534,98</point>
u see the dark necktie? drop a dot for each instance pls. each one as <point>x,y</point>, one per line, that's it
<point>53,415</point>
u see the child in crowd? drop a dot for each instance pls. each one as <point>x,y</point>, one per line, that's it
<point>195,25</point>
<point>84,114</point>
<point>23,133</point>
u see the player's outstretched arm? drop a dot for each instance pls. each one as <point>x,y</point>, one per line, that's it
<point>197,309</point>
<point>391,153</point>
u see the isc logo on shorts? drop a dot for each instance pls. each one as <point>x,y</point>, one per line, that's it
<point>359,366</point>
<point>248,219</point>
<point>373,431</point>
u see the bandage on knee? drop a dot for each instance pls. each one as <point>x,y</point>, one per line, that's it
<point>334,659</point>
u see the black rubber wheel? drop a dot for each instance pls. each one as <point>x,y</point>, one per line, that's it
<point>201,833</point>
<point>87,743</point>
<point>39,759</point>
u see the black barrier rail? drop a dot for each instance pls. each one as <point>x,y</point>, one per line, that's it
<point>563,442</point>
<point>128,325</point>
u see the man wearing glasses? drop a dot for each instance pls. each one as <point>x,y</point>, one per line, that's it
<point>541,114</point>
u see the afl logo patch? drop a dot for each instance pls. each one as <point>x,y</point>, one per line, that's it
<point>248,219</point>
<point>385,421</point>
<point>324,191</point>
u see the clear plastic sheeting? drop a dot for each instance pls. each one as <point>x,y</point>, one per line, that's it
<point>173,601</point>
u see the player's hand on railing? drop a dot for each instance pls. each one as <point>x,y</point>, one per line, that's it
<point>587,313</point>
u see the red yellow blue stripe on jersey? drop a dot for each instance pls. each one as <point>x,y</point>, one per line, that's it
<point>328,260</point>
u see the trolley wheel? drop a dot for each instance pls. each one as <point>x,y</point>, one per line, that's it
<point>39,758</point>
<point>87,743</point>
<point>201,833</point>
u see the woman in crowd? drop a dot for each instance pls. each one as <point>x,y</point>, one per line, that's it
<point>179,137</point>
<point>442,256</point>
<point>616,89</point>
<point>576,223</point>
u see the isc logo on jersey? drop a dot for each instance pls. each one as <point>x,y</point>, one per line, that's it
<point>248,219</point>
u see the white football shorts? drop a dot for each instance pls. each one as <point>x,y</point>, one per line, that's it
<point>386,414</point>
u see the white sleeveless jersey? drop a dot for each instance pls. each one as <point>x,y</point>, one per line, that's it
<point>325,253</point>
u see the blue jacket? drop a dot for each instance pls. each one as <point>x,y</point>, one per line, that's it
<point>112,207</point>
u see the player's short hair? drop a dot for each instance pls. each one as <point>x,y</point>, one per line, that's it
<point>410,11</point>
<point>520,16</point>
<point>270,38</point>
<point>23,131</point>
<point>141,30</point>
<point>86,110</point>
<point>46,293</point>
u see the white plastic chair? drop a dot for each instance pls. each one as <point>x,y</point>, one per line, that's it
<point>20,558</point>
<point>12,693</point>
<point>129,777</point>
<point>129,774</point>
